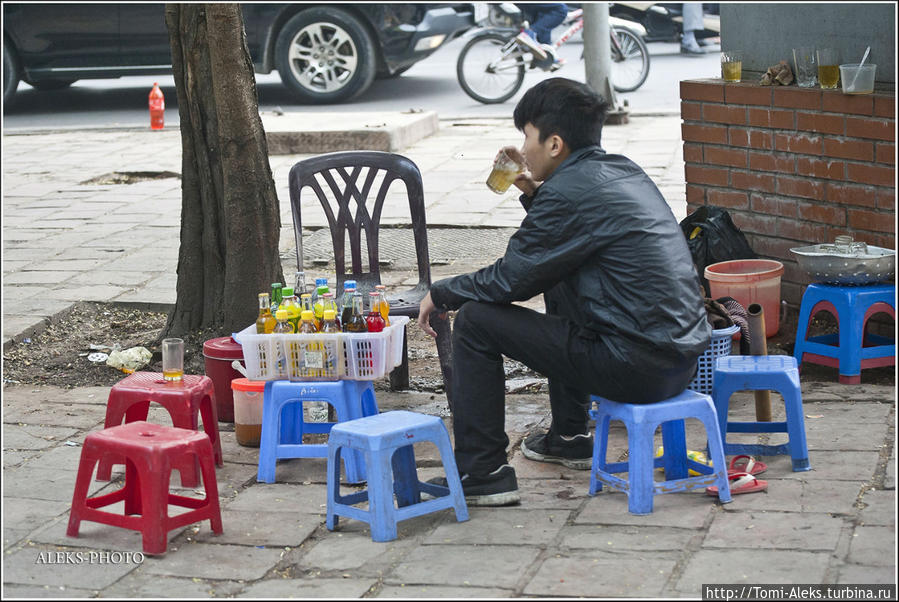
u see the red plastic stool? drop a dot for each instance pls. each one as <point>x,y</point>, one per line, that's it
<point>150,452</point>
<point>185,400</point>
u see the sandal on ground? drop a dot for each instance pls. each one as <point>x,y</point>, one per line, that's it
<point>741,464</point>
<point>740,482</point>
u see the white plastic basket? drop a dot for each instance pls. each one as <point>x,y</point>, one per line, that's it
<point>302,357</point>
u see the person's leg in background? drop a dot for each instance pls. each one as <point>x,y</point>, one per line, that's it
<point>692,12</point>
<point>544,18</point>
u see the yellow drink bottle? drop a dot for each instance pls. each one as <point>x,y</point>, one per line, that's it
<point>383,306</point>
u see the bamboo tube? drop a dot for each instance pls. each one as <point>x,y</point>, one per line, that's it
<point>758,345</point>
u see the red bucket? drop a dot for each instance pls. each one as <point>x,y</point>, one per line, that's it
<point>219,353</point>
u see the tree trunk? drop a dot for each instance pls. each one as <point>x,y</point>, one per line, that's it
<point>230,223</point>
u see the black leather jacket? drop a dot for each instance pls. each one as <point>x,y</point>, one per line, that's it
<point>600,225</point>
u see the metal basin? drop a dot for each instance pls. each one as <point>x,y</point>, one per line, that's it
<point>824,264</point>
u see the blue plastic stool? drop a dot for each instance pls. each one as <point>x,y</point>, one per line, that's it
<point>283,424</point>
<point>851,306</point>
<point>762,372</point>
<point>386,441</point>
<point>641,421</point>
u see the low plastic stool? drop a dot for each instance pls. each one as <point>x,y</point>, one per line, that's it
<point>150,451</point>
<point>851,306</point>
<point>283,423</point>
<point>386,440</point>
<point>641,421</point>
<point>762,372</point>
<point>185,400</point>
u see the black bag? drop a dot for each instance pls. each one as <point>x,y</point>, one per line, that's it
<point>712,237</point>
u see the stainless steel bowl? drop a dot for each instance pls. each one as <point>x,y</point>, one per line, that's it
<point>823,263</point>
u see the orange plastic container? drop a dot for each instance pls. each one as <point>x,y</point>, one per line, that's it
<point>248,396</point>
<point>749,281</point>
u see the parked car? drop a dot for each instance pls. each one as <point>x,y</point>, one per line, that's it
<point>324,53</point>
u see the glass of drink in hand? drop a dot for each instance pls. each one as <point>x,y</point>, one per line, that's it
<point>505,170</point>
<point>172,359</point>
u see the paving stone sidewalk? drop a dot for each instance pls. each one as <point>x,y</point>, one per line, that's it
<point>832,525</point>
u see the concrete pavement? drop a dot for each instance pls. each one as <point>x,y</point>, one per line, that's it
<point>72,234</point>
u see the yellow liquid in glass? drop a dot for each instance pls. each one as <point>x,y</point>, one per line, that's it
<point>172,374</point>
<point>500,180</point>
<point>828,76</point>
<point>731,72</point>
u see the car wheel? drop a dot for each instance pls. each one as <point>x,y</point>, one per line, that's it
<point>10,73</point>
<point>325,55</point>
<point>51,84</point>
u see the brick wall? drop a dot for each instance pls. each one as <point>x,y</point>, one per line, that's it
<point>793,166</point>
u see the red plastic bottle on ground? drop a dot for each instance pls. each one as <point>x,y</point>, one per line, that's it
<point>157,108</point>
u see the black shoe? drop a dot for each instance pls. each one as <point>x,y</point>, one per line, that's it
<point>549,447</point>
<point>499,488</point>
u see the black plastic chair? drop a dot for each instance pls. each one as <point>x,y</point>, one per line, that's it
<point>350,177</point>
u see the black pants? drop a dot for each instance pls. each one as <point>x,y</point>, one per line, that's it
<point>576,363</point>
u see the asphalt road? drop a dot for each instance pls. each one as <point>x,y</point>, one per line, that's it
<point>429,85</point>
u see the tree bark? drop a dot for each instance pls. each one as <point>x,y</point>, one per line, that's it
<point>230,222</point>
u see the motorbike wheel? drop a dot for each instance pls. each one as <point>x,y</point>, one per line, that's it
<point>480,81</point>
<point>630,68</point>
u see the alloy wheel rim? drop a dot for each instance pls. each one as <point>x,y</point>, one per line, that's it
<point>323,57</point>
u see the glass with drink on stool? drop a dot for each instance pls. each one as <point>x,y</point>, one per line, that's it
<point>172,359</point>
<point>505,170</point>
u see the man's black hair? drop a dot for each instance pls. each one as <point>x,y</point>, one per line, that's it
<point>564,107</point>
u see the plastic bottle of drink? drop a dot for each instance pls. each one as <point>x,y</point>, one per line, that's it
<point>330,324</point>
<point>276,296</point>
<point>349,287</point>
<point>265,323</point>
<point>373,320</point>
<point>306,304</point>
<point>318,304</point>
<point>328,302</point>
<point>383,305</point>
<point>356,323</point>
<point>290,303</point>
<point>283,326</point>
<point>319,282</point>
<point>313,353</point>
<point>157,108</point>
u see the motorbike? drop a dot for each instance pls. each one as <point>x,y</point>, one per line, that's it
<point>664,22</point>
<point>492,64</point>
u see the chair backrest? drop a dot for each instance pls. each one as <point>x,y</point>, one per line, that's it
<point>350,177</point>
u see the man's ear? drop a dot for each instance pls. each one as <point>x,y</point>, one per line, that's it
<point>556,145</point>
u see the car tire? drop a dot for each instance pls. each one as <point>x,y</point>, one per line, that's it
<point>51,84</point>
<point>10,73</point>
<point>345,51</point>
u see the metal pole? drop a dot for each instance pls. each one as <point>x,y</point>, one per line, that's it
<point>598,56</point>
<point>597,51</point>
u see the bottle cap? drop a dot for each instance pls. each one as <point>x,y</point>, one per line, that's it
<point>322,289</point>
<point>305,296</point>
<point>349,284</point>
<point>321,282</point>
<point>282,314</point>
<point>373,294</point>
<point>329,294</point>
<point>261,295</point>
<point>380,287</point>
<point>330,314</point>
<point>287,291</point>
<point>306,315</point>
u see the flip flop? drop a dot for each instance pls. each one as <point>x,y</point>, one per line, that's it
<point>746,464</point>
<point>740,482</point>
